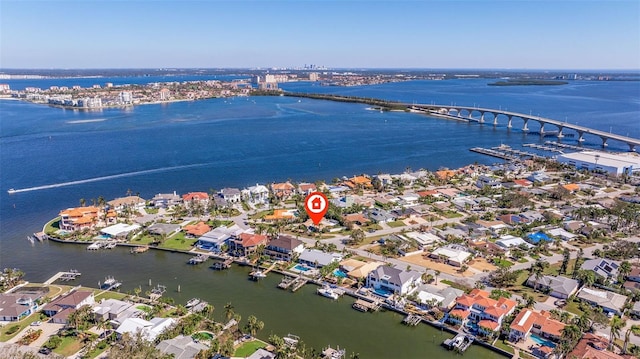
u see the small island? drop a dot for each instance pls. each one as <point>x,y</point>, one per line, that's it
<point>528,82</point>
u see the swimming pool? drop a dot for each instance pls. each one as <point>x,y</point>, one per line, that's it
<point>542,341</point>
<point>340,274</point>
<point>381,292</point>
<point>301,268</point>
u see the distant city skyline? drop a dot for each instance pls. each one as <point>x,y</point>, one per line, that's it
<point>576,35</point>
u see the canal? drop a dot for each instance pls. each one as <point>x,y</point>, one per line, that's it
<point>317,320</point>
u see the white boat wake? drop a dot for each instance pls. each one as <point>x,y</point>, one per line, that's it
<point>104,178</point>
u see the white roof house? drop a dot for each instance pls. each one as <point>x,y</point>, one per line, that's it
<point>423,239</point>
<point>561,233</point>
<point>509,241</point>
<point>317,258</point>
<point>148,329</point>
<point>455,254</point>
<point>609,301</point>
<point>120,229</point>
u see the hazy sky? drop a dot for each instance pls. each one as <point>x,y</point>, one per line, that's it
<point>412,34</point>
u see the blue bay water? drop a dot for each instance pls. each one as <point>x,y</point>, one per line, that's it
<point>210,144</point>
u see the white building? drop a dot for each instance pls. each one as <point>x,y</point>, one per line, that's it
<point>612,163</point>
<point>393,280</point>
<point>454,254</point>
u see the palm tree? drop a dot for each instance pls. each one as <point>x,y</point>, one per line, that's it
<point>228,311</point>
<point>616,324</point>
<point>253,325</point>
<point>635,329</point>
<point>437,273</point>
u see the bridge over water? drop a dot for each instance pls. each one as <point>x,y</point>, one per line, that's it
<point>467,113</point>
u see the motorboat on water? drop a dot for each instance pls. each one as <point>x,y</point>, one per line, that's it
<point>328,292</point>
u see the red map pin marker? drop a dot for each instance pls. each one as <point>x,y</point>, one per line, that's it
<point>316,205</point>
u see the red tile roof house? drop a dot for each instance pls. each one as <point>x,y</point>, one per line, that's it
<point>60,308</point>
<point>192,197</point>
<point>476,307</point>
<point>539,323</point>
<point>247,243</point>
<point>196,230</point>
<point>282,190</point>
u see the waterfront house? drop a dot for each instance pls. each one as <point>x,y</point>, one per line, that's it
<point>557,286</point>
<point>115,311</point>
<point>635,310</point>
<point>387,279</point>
<point>196,230</point>
<point>257,194</point>
<point>163,229</point>
<point>480,310</point>
<point>452,254</point>
<point>282,190</point>
<point>317,258</point>
<point>610,302</point>
<point>166,200</point>
<point>358,182</point>
<point>215,239</point>
<point>119,230</point>
<point>231,195</point>
<point>130,203</point>
<point>431,296</point>
<point>192,198</point>
<point>603,268</point>
<point>79,218</point>
<point>60,308</point>
<point>262,354</point>
<point>445,175</point>
<point>284,248</point>
<point>356,269</point>
<point>15,306</point>
<point>181,347</point>
<point>306,188</point>
<point>247,243</point>
<point>148,329</point>
<point>539,323</point>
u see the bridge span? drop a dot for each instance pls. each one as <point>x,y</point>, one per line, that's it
<point>467,113</point>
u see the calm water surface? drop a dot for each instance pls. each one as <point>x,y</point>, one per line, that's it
<point>197,146</point>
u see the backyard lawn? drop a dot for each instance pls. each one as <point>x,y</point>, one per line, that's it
<point>69,346</point>
<point>179,242</point>
<point>248,348</point>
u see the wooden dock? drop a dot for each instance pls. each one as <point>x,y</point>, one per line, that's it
<point>460,342</point>
<point>222,265</point>
<point>412,320</point>
<point>365,306</point>
<point>286,282</point>
<point>65,276</point>
<point>140,249</point>
<point>298,283</point>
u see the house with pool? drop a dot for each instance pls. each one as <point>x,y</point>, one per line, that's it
<point>479,312</point>
<point>535,324</point>
<point>317,259</point>
<point>386,280</point>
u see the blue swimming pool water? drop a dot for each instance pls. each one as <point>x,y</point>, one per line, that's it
<point>340,274</point>
<point>301,268</point>
<point>539,236</point>
<point>542,341</point>
<point>382,292</point>
<point>103,236</point>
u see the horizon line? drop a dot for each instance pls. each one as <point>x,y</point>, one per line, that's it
<point>320,69</point>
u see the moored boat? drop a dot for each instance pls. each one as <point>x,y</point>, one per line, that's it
<point>328,292</point>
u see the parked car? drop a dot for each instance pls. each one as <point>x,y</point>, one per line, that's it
<point>45,351</point>
<point>36,323</point>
